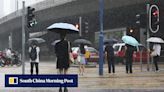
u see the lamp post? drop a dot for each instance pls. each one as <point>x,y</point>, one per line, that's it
<point>23,38</point>
<point>148,35</point>
<point>101,37</point>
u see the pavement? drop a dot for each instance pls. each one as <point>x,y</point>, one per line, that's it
<point>145,81</point>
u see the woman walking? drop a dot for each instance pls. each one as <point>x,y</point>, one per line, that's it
<point>81,59</point>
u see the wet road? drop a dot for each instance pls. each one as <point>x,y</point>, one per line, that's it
<point>92,82</point>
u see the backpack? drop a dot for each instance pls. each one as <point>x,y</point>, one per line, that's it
<point>33,54</point>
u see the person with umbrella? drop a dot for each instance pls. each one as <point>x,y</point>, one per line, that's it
<point>130,42</point>
<point>110,57</point>
<point>63,48</point>
<point>155,54</point>
<point>129,57</point>
<point>156,50</point>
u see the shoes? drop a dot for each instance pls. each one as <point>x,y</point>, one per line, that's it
<point>60,89</point>
<point>81,74</point>
<point>157,71</point>
<point>65,89</point>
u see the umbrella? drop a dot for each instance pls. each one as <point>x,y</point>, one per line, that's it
<point>130,40</point>
<point>38,40</point>
<point>63,27</point>
<point>54,42</point>
<point>110,41</point>
<point>82,41</point>
<point>155,40</point>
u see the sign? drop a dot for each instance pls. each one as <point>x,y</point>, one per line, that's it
<point>41,80</point>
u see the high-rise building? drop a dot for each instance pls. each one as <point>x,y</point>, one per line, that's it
<point>1,8</point>
<point>9,6</point>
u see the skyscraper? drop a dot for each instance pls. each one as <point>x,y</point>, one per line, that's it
<point>1,8</point>
<point>9,6</point>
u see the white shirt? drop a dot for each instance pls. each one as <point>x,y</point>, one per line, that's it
<point>157,49</point>
<point>8,53</point>
<point>37,51</point>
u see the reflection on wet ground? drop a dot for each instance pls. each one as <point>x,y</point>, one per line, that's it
<point>92,82</point>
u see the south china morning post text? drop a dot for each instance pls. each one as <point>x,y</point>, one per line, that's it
<point>41,80</point>
<point>36,80</point>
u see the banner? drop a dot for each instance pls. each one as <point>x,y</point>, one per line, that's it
<point>41,80</point>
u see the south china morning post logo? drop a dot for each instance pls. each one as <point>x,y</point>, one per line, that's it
<point>13,80</point>
<point>41,80</point>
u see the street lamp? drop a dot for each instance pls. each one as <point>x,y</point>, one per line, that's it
<point>101,38</point>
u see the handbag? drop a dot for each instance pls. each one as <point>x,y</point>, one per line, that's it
<point>71,59</point>
<point>153,53</point>
<point>78,58</point>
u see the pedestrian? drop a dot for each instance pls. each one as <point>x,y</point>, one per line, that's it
<point>81,59</point>
<point>129,57</point>
<point>156,54</point>
<point>34,51</point>
<point>62,49</point>
<point>9,55</point>
<point>110,58</point>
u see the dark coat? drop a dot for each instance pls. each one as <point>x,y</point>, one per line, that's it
<point>129,51</point>
<point>110,51</point>
<point>61,50</point>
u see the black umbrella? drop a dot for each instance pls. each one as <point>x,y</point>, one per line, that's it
<point>35,41</point>
<point>110,41</point>
<point>63,28</point>
<point>82,41</point>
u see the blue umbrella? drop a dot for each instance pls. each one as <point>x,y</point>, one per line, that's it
<point>130,40</point>
<point>63,27</point>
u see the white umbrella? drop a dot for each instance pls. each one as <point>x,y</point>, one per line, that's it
<point>155,40</point>
<point>38,40</point>
<point>63,27</point>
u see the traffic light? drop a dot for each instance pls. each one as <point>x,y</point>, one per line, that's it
<point>154,18</point>
<point>138,19</point>
<point>31,21</point>
<point>86,24</point>
<point>77,26</point>
<point>141,20</point>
